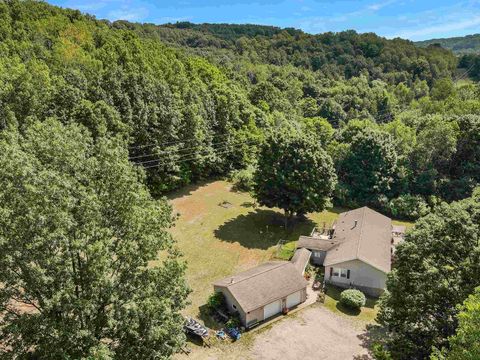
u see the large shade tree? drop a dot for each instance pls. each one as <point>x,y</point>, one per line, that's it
<point>80,239</point>
<point>436,268</point>
<point>368,170</point>
<point>294,174</point>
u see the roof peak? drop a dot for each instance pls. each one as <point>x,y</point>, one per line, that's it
<point>275,265</point>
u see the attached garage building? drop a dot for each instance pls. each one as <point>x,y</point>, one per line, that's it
<point>266,290</point>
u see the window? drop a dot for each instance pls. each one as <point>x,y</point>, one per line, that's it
<point>336,272</point>
<point>317,253</point>
<point>339,272</point>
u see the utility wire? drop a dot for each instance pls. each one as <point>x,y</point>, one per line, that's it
<point>178,151</point>
<point>461,77</point>
<point>185,157</point>
<point>185,160</point>
<point>168,143</point>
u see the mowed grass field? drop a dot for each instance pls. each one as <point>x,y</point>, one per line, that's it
<point>221,232</point>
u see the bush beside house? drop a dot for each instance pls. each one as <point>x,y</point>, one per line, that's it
<point>352,298</point>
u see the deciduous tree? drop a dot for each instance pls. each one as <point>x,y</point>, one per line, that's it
<point>87,269</point>
<point>294,173</point>
<point>436,268</point>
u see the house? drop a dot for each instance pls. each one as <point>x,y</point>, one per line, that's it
<point>357,251</point>
<point>266,290</point>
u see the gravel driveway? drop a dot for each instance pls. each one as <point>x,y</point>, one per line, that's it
<point>315,333</point>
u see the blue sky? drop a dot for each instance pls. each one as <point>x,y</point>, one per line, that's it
<point>415,20</point>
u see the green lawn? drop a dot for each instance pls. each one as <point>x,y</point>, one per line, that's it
<point>366,314</point>
<point>221,232</point>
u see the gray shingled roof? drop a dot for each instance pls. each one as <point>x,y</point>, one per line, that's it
<point>264,284</point>
<point>300,259</point>
<point>365,235</point>
<point>315,243</point>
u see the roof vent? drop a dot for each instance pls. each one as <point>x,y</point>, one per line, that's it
<point>355,224</point>
<point>232,281</point>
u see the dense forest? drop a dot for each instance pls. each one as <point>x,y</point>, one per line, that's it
<point>395,126</point>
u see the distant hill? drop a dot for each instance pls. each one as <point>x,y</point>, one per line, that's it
<point>469,44</point>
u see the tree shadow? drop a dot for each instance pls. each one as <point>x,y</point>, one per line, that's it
<point>205,315</point>
<point>362,357</point>
<point>187,189</point>
<point>262,229</point>
<point>249,204</point>
<point>347,310</point>
<point>373,334</point>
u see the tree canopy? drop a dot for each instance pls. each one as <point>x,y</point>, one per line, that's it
<point>465,344</point>
<point>294,174</point>
<point>80,237</point>
<point>436,268</point>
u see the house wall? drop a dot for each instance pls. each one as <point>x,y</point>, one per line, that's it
<point>230,300</point>
<point>362,276</point>
<point>318,260</point>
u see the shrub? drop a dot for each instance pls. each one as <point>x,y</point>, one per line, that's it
<point>233,322</point>
<point>352,298</point>
<point>243,179</point>
<point>409,207</point>
<point>216,300</point>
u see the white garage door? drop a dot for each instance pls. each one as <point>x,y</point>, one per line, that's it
<point>272,309</point>
<point>293,299</point>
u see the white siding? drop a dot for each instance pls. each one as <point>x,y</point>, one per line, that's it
<point>361,274</point>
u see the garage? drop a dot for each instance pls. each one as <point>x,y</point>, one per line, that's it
<point>294,299</point>
<point>272,309</point>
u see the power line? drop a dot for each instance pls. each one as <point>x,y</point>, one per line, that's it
<point>185,160</point>
<point>185,157</point>
<point>195,152</point>
<point>461,77</point>
<point>169,142</point>
<point>183,149</point>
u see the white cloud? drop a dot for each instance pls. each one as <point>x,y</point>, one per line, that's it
<point>439,28</point>
<point>380,5</point>
<point>128,14</point>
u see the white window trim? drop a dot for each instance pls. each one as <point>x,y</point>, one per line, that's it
<point>340,272</point>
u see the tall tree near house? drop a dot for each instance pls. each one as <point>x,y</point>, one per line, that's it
<point>80,239</point>
<point>436,268</point>
<point>368,170</point>
<point>465,344</point>
<point>294,174</point>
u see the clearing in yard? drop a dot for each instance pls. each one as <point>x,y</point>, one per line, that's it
<point>222,232</point>
<point>219,240</point>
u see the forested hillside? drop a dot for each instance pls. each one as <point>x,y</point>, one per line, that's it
<point>469,44</point>
<point>196,101</point>
<point>96,117</point>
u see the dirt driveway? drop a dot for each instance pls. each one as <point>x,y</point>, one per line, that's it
<point>314,333</point>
